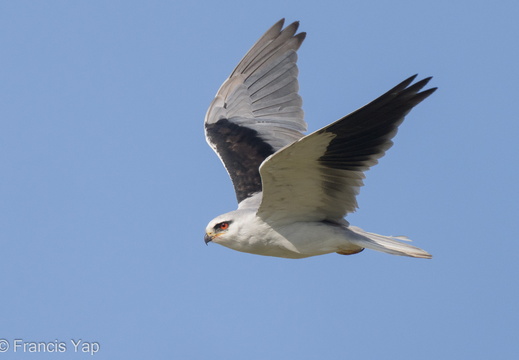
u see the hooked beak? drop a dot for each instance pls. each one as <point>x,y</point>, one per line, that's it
<point>207,239</point>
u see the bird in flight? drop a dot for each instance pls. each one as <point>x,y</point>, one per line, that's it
<point>294,190</point>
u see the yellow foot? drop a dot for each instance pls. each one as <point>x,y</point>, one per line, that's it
<point>349,252</point>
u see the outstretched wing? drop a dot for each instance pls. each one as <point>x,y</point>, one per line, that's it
<point>257,110</point>
<point>318,177</point>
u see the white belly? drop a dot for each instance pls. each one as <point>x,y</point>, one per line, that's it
<point>297,240</point>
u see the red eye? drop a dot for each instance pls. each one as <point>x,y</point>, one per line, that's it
<point>224,226</point>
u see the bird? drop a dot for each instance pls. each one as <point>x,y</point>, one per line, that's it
<point>294,190</point>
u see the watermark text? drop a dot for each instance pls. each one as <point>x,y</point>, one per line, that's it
<point>54,346</point>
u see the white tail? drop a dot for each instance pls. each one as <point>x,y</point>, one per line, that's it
<point>387,244</point>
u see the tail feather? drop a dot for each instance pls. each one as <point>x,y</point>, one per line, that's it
<point>387,244</point>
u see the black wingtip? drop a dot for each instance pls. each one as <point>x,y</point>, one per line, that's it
<point>301,36</point>
<point>278,26</point>
<point>424,94</point>
<point>419,85</point>
<point>404,84</point>
<point>409,80</point>
<point>415,95</point>
<point>292,27</point>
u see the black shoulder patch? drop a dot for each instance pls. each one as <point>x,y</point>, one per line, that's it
<point>242,151</point>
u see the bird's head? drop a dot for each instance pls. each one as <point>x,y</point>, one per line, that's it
<point>220,229</point>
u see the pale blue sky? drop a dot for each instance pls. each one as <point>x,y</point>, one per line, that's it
<point>107,183</point>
